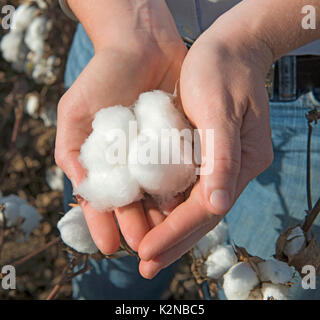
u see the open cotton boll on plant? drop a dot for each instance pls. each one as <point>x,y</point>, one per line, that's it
<point>219,261</point>
<point>75,233</point>
<point>125,155</point>
<point>239,281</point>
<point>15,208</point>
<point>218,235</point>
<point>22,17</point>
<point>276,271</point>
<point>296,241</point>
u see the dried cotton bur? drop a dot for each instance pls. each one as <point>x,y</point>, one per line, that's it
<point>24,46</point>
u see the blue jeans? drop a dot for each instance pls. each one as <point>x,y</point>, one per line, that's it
<point>272,202</point>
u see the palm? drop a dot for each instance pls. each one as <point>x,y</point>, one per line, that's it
<point>112,77</point>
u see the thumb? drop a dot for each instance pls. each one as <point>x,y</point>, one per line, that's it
<point>221,163</point>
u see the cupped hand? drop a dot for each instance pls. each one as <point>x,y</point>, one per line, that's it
<point>222,88</point>
<point>117,74</point>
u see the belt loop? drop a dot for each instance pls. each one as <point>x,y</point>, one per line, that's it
<point>287,71</point>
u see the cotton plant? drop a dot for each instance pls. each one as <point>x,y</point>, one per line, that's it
<point>24,45</point>
<point>16,208</point>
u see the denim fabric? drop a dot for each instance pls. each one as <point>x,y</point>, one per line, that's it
<point>272,202</point>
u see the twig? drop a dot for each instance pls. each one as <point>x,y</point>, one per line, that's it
<point>309,196</point>
<point>12,150</point>
<point>311,217</point>
<point>3,227</point>
<point>36,252</point>
<point>68,274</point>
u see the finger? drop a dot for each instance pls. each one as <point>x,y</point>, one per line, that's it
<point>153,214</point>
<point>190,216</point>
<point>220,171</point>
<point>148,269</point>
<point>133,223</point>
<point>103,228</point>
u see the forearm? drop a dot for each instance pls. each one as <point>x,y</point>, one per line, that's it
<point>274,25</point>
<point>137,22</point>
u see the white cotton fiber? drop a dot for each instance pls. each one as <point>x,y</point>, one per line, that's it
<point>13,49</point>
<point>239,281</point>
<point>54,178</point>
<point>154,176</point>
<point>275,271</point>
<point>125,155</point>
<point>109,189</point>
<point>272,291</point>
<point>22,17</point>
<point>216,236</point>
<point>75,233</point>
<point>35,37</point>
<point>155,110</point>
<point>219,261</point>
<point>296,241</point>
<point>31,218</point>
<point>16,207</point>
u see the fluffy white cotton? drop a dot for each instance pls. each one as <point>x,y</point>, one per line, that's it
<point>154,174</point>
<point>216,236</point>
<point>272,291</point>
<point>113,188</point>
<point>125,158</point>
<point>239,281</point>
<point>54,178</point>
<point>155,111</point>
<point>22,17</point>
<point>13,50</point>
<point>296,241</point>
<point>75,232</point>
<point>275,271</point>
<point>32,105</point>
<point>49,117</point>
<point>219,261</point>
<point>37,33</point>
<point>31,218</point>
<point>16,207</point>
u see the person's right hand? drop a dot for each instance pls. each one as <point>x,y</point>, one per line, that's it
<point>144,59</point>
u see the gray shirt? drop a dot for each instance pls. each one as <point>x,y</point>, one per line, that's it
<point>195,16</point>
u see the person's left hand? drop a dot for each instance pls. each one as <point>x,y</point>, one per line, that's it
<point>222,88</point>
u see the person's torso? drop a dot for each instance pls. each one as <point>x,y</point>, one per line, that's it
<point>195,16</point>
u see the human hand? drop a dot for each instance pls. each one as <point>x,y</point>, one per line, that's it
<point>222,88</point>
<point>124,65</point>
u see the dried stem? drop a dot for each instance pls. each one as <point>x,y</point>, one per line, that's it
<point>2,228</point>
<point>311,217</point>
<point>68,274</point>
<point>36,252</point>
<point>309,196</point>
<point>12,150</point>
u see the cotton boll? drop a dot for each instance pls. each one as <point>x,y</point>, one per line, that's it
<point>49,117</point>
<point>155,110</point>
<point>14,50</point>
<point>275,271</point>
<point>37,32</point>
<point>255,294</point>
<point>155,176</point>
<point>11,212</point>
<point>31,218</point>
<point>22,17</point>
<point>296,241</point>
<point>54,178</point>
<point>239,281</point>
<point>219,261</point>
<point>216,236</point>
<point>272,291</point>
<point>32,104</point>
<point>109,189</point>
<point>75,232</point>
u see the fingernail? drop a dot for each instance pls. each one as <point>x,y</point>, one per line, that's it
<point>221,200</point>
